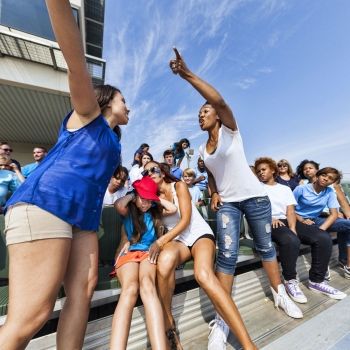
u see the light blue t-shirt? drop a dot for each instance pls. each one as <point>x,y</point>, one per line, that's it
<point>196,194</point>
<point>29,168</point>
<point>147,238</point>
<point>310,203</point>
<point>8,183</point>
<point>202,185</point>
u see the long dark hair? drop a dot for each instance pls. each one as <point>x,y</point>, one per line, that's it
<point>178,145</point>
<point>300,167</point>
<point>144,154</point>
<point>138,221</point>
<point>104,94</point>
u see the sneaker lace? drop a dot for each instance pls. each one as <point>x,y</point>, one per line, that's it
<point>328,288</point>
<point>294,286</point>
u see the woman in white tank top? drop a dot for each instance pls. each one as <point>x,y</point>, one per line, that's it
<point>188,236</point>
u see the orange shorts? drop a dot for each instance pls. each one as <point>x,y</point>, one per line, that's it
<point>133,256</point>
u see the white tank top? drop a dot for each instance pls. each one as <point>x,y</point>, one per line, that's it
<point>234,180</point>
<point>196,228</point>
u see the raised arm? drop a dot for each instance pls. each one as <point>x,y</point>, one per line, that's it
<point>121,204</point>
<point>68,37</point>
<point>209,93</point>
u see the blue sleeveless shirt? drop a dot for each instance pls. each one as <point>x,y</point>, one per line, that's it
<point>72,179</point>
<point>147,238</point>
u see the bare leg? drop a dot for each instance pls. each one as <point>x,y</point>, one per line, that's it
<point>79,284</point>
<point>36,273</point>
<point>151,303</point>
<point>128,275</point>
<point>173,254</point>
<point>273,273</point>
<point>203,254</point>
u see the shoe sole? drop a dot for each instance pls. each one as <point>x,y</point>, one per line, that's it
<point>329,295</point>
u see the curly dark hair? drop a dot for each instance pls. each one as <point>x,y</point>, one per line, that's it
<point>269,161</point>
<point>300,167</point>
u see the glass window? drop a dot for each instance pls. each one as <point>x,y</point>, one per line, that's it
<point>28,16</point>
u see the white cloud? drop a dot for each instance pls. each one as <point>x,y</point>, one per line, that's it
<point>246,83</point>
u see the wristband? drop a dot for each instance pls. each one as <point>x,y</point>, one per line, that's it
<point>213,194</point>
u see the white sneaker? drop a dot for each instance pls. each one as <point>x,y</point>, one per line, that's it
<point>294,291</point>
<point>218,334</point>
<point>282,299</point>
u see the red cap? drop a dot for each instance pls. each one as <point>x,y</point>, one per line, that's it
<point>146,188</point>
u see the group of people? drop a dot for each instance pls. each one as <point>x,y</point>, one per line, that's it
<point>52,218</point>
<point>11,172</point>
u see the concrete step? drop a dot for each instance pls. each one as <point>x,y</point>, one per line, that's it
<point>193,311</point>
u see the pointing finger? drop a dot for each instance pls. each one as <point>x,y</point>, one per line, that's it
<point>177,54</point>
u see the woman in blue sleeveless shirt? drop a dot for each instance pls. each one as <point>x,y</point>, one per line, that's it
<point>51,220</point>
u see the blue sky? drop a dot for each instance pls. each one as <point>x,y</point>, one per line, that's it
<point>283,66</point>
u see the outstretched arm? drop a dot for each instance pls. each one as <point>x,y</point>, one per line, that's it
<point>178,66</point>
<point>68,37</point>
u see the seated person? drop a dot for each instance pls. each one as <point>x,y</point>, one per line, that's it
<point>137,169</point>
<point>116,188</point>
<point>169,159</point>
<point>39,153</point>
<point>285,175</point>
<point>312,198</point>
<point>179,151</point>
<point>201,180</point>
<point>307,170</point>
<point>10,179</point>
<point>137,155</point>
<point>196,194</point>
<point>287,233</point>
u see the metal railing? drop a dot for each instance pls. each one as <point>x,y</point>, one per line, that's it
<point>16,46</point>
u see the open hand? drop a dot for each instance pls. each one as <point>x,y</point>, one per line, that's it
<point>154,252</point>
<point>277,223</point>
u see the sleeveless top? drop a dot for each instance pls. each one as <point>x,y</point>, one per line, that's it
<point>72,179</point>
<point>147,238</point>
<point>196,228</point>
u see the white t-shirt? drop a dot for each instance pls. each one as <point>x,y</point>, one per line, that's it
<point>234,179</point>
<point>110,198</point>
<point>135,173</point>
<point>280,197</point>
<point>196,194</point>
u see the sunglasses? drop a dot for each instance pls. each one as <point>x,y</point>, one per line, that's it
<point>153,170</point>
<point>281,165</point>
<point>7,149</point>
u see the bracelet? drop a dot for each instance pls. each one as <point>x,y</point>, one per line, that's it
<point>213,194</point>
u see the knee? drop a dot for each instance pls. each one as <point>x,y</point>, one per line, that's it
<point>166,264</point>
<point>131,291</point>
<point>267,251</point>
<point>203,276</point>
<point>292,242</point>
<point>147,287</point>
<point>24,327</point>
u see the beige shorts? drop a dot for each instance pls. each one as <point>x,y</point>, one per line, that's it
<point>26,222</point>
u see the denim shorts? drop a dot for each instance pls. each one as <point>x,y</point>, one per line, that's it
<point>257,211</point>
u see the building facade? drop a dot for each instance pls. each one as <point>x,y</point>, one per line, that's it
<point>34,93</point>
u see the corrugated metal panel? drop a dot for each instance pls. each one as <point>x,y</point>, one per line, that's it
<point>192,311</point>
<point>32,116</point>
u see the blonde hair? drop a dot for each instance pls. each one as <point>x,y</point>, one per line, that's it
<point>189,172</point>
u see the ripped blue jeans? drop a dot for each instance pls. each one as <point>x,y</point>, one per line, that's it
<point>257,211</point>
